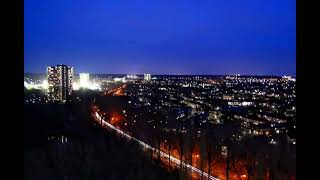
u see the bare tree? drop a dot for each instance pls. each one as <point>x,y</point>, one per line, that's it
<point>169,142</point>
<point>250,164</point>
<point>152,141</point>
<point>158,143</point>
<point>209,150</point>
<point>181,150</point>
<point>260,167</point>
<point>227,135</point>
<point>189,146</point>
<point>202,153</point>
<point>275,158</point>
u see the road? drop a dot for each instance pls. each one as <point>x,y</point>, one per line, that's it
<point>116,91</point>
<point>97,118</point>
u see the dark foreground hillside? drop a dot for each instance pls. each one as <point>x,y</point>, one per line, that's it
<point>61,143</point>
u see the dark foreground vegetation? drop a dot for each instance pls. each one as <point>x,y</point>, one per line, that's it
<point>62,143</point>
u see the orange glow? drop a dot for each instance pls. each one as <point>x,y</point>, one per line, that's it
<point>117,91</point>
<point>115,118</point>
<point>238,169</point>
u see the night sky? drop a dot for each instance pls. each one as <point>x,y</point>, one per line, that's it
<point>256,37</point>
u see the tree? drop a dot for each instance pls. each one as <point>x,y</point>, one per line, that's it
<point>157,132</point>
<point>260,167</point>
<point>189,146</point>
<point>202,153</point>
<point>169,142</point>
<point>250,164</point>
<point>228,162</point>
<point>152,142</point>
<point>225,133</point>
<point>181,150</point>
<point>275,159</point>
<point>209,150</point>
<point>159,144</point>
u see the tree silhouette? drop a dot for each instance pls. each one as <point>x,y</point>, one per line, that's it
<point>181,143</point>
<point>202,152</point>
<point>210,148</point>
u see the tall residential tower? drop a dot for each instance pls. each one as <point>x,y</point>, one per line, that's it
<point>60,80</point>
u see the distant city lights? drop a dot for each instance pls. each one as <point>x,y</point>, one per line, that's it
<point>85,83</point>
<point>42,86</point>
<point>84,80</point>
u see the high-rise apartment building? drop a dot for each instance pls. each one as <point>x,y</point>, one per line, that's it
<point>60,80</point>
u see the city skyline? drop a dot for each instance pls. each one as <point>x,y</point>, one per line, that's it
<point>158,90</point>
<point>189,38</point>
<point>77,73</point>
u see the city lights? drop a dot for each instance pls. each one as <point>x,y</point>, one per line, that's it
<point>147,77</point>
<point>156,90</point>
<point>143,144</point>
<point>183,105</point>
<point>84,80</point>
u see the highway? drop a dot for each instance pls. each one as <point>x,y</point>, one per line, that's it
<point>146,146</point>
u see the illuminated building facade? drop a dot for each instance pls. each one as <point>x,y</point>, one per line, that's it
<point>147,77</point>
<point>131,76</point>
<point>60,80</point>
<point>84,80</point>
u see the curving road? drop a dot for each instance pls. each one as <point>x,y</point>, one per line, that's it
<point>162,154</point>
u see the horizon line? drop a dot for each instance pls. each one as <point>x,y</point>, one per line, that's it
<point>232,74</point>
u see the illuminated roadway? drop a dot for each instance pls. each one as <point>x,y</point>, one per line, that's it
<point>162,154</point>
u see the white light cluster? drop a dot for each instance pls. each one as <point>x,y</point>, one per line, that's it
<point>147,77</point>
<point>84,80</point>
<point>95,86</point>
<point>120,79</point>
<point>85,83</point>
<point>289,78</point>
<point>92,86</point>
<point>132,76</point>
<point>43,85</point>
<point>75,86</point>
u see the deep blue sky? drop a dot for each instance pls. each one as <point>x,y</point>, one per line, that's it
<point>162,37</point>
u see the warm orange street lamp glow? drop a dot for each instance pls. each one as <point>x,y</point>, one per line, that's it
<point>243,176</point>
